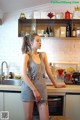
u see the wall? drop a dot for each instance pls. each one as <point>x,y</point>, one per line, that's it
<point>10,44</point>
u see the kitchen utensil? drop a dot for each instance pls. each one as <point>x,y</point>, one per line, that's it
<point>67,15</point>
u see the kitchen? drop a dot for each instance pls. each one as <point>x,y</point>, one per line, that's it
<point>58,50</point>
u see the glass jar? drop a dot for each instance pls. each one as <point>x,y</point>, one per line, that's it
<point>78,32</point>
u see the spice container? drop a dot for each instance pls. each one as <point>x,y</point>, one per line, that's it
<point>78,32</point>
<point>74,31</point>
<point>50,32</point>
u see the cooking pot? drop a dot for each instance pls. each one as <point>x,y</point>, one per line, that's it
<point>67,15</point>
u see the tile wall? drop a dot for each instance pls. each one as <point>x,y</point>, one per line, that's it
<point>10,45</point>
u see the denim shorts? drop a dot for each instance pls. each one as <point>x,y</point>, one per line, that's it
<point>27,93</point>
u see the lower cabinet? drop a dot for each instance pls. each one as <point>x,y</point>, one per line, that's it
<point>13,104</point>
<point>1,101</point>
<point>73,106</point>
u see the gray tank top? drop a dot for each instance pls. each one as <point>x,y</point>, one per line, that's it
<point>36,73</point>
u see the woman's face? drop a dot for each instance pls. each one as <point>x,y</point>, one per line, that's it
<point>36,44</point>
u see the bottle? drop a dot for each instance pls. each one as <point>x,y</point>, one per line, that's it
<point>78,32</point>
<point>51,67</point>
<point>11,75</point>
<point>68,30</point>
<point>47,31</point>
<point>74,31</point>
<point>50,32</point>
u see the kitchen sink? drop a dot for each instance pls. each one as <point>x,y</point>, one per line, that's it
<point>10,82</point>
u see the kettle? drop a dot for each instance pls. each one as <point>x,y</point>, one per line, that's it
<point>67,15</point>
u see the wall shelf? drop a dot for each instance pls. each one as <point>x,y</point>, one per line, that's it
<point>28,25</point>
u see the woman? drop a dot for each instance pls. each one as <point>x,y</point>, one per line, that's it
<point>33,73</point>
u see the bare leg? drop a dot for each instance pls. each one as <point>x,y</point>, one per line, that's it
<point>43,111</point>
<point>28,110</point>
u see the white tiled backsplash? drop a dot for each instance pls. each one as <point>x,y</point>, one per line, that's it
<point>10,45</point>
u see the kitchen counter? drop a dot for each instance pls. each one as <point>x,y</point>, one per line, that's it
<point>10,88</point>
<point>68,88</point>
<point>50,89</point>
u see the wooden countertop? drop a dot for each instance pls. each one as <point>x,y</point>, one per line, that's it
<point>68,88</point>
<point>50,89</point>
<point>10,88</point>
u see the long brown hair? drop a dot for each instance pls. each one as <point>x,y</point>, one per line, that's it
<point>26,46</point>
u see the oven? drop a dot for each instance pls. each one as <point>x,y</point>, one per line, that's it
<point>55,105</point>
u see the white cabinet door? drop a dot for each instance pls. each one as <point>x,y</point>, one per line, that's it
<point>1,101</point>
<point>73,106</point>
<point>13,104</point>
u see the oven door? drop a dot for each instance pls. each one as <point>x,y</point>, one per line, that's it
<point>55,104</point>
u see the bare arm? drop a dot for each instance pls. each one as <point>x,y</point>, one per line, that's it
<point>48,71</point>
<point>26,79</point>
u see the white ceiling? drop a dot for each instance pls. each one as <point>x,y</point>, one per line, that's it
<point>15,5</point>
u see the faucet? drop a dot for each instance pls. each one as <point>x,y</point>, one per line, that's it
<point>4,75</point>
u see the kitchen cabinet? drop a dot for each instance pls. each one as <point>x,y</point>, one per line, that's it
<point>26,26</point>
<point>1,101</point>
<point>13,104</point>
<point>73,106</point>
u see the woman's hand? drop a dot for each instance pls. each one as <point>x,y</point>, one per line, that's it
<point>37,95</point>
<point>60,85</point>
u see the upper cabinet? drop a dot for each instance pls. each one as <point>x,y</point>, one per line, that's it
<point>61,28</point>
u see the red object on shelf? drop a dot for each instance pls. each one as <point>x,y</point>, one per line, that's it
<point>50,15</point>
<point>67,15</point>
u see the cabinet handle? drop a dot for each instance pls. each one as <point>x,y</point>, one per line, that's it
<point>55,99</point>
